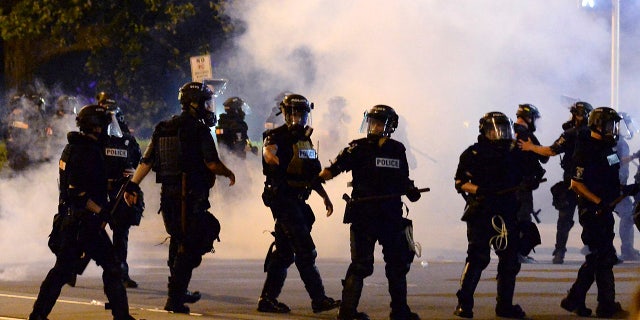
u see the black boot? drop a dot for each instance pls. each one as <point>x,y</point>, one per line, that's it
<point>176,306</point>
<point>407,315</point>
<point>576,307</point>
<point>324,304</point>
<point>175,301</point>
<point>272,305</point>
<point>37,317</point>
<point>611,311</point>
<point>511,311</point>
<point>191,297</point>
<point>351,292</point>
<point>356,316</point>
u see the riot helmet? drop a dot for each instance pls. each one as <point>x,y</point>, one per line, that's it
<point>38,102</point>
<point>197,99</point>
<point>296,109</point>
<point>529,113</point>
<point>236,108</point>
<point>629,125</point>
<point>580,112</point>
<point>379,121</point>
<point>604,121</point>
<point>581,108</point>
<point>105,99</point>
<point>93,116</point>
<point>66,105</point>
<point>496,128</point>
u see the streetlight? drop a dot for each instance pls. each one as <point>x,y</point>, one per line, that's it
<point>615,46</point>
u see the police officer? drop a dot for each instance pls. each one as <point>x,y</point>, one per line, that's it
<point>564,200</point>
<point>122,154</point>
<point>379,168</point>
<point>524,128</point>
<point>83,188</point>
<point>182,152</point>
<point>596,181</point>
<point>273,119</point>
<point>231,130</point>
<point>488,174</point>
<point>624,209</point>
<point>291,165</point>
<point>26,131</point>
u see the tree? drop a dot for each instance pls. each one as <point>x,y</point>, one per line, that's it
<point>126,47</point>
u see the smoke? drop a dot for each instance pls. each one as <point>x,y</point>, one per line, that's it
<point>440,64</point>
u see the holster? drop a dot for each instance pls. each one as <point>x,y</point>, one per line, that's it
<point>471,209</point>
<point>560,192</point>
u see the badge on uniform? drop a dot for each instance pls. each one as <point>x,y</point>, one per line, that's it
<point>613,159</point>
<point>113,152</point>
<point>387,163</point>
<point>307,154</point>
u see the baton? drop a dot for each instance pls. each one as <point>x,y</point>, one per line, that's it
<point>350,200</point>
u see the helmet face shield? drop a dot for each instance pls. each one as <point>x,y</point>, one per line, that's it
<point>496,129</point>
<point>114,128</point>
<point>209,105</point>
<point>611,129</point>
<point>381,121</point>
<point>374,126</point>
<point>294,116</point>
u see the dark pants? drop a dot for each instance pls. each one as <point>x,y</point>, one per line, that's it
<point>624,209</point>
<point>91,239</point>
<point>121,245</point>
<point>565,222</point>
<point>597,233</point>
<point>293,243</point>
<point>120,226</point>
<point>480,231</point>
<point>183,255</point>
<point>397,257</point>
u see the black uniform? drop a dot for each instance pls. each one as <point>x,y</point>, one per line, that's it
<point>491,219</point>
<point>378,169</point>
<point>596,166</point>
<point>565,200</point>
<point>232,133</point>
<point>178,151</point>
<point>26,137</point>
<point>287,187</point>
<point>82,177</point>
<point>624,209</point>
<point>121,153</point>
<point>528,159</point>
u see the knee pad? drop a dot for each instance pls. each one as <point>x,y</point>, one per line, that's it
<point>360,270</point>
<point>306,258</point>
<point>281,259</point>
<point>479,260</point>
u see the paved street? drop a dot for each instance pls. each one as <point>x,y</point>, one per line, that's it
<point>230,289</point>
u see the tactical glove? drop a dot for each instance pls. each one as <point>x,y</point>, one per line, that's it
<point>413,194</point>
<point>604,207</point>
<point>132,187</point>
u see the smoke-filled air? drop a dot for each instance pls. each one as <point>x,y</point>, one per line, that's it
<point>440,64</point>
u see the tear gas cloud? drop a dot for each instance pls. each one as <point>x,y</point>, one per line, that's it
<point>440,64</point>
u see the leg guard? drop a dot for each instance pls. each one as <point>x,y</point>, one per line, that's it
<point>468,283</point>
<point>351,292</point>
